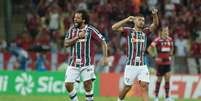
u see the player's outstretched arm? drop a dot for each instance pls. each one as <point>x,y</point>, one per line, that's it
<point>105,53</point>
<point>151,48</point>
<point>69,42</point>
<point>155,23</point>
<point>119,25</point>
<point>172,50</point>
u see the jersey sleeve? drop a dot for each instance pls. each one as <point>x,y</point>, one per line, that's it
<point>147,30</point>
<point>68,33</point>
<point>153,43</point>
<point>171,43</point>
<point>126,31</point>
<point>96,35</point>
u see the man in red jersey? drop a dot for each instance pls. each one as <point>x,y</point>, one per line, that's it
<point>81,38</point>
<point>164,49</point>
<point>136,67</point>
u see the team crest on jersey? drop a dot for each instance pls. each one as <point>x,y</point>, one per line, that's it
<point>134,39</point>
<point>84,39</point>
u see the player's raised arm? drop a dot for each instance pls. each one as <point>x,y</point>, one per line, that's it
<point>119,25</point>
<point>96,35</point>
<point>155,23</point>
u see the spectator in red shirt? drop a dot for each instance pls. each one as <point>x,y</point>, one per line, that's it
<point>196,53</point>
<point>43,37</point>
<point>32,23</point>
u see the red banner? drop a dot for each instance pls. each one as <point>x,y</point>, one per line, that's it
<point>182,86</point>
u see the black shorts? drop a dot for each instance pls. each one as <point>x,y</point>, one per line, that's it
<point>162,69</point>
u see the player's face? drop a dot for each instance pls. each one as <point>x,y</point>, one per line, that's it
<point>139,22</point>
<point>165,32</point>
<point>77,20</point>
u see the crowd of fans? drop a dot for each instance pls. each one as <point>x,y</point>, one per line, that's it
<point>48,20</point>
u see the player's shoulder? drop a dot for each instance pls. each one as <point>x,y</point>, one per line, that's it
<point>157,38</point>
<point>127,28</point>
<point>146,28</point>
<point>91,27</point>
<point>170,38</point>
<point>72,27</point>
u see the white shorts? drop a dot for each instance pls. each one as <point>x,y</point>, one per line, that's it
<point>132,73</point>
<point>74,74</point>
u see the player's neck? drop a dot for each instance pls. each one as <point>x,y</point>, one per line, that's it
<point>137,28</point>
<point>163,37</point>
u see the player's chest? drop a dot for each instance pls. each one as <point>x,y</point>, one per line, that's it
<point>76,32</point>
<point>86,33</point>
<point>164,45</point>
<point>164,42</point>
<point>137,37</point>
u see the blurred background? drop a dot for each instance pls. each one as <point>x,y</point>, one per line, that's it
<point>32,25</point>
<point>32,32</point>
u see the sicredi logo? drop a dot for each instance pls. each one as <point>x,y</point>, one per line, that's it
<point>49,84</point>
<point>3,83</point>
<point>24,84</point>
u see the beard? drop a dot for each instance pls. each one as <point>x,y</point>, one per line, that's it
<point>77,24</point>
<point>141,26</point>
<point>165,36</point>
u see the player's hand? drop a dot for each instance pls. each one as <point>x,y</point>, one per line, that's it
<point>81,34</point>
<point>105,61</point>
<point>158,59</point>
<point>130,18</point>
<point>154,11</point>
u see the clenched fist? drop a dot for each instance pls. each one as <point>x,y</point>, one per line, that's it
<point>154,11</point>
<point>81,34</point>
<point>131,18</point>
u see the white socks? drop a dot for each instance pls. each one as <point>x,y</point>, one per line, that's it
<point>89,96</point>
<point>119,99</point>
<point>73,95</point>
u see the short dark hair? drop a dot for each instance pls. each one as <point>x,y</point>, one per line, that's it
<point>84,14</point>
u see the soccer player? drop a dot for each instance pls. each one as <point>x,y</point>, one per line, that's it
<point>136,43</point>
<point>81,38</point>
<point>164,49</point>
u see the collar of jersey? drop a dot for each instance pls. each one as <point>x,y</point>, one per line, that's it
<point>85,27</point>
<point>135,30</point>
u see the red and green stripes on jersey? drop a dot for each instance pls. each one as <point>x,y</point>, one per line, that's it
<point>136,43</point>
<point>82,52</point>
<point>88,48</point>
<point>164,48</point>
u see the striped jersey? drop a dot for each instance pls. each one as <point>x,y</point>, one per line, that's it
<point>164,47</point>
<point>136,45</point>
<point>82,52</point>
